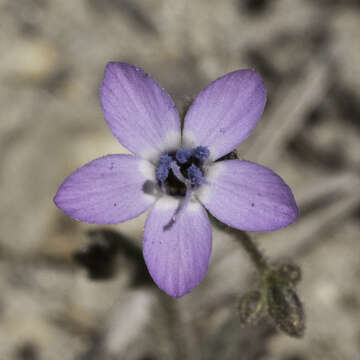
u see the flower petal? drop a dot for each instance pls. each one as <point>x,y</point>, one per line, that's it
<point>225,112</point>
<point>107,190</point>
<point>177,254</point>
<point>140,114</point>
<point>248,196</point>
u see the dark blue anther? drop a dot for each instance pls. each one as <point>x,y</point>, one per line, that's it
<point>162,171</point>
<point>195,175</point>
<point>201,153</point>
<point>183,155</point>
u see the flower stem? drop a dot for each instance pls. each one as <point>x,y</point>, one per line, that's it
<point>248,244</point>
<point>276,292</point>
<point>253,251</point>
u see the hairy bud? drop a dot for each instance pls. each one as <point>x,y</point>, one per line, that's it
<point>286,309</point>
<point>290,273</point>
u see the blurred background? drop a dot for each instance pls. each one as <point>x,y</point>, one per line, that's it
<point>53,303</point>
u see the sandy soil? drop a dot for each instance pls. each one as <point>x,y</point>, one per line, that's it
<point>53,54</point>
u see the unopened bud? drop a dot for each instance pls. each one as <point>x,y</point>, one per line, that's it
<point>290,273</point>
<point>285,307</point>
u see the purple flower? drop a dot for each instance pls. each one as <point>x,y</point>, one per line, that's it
<point>177,175</point>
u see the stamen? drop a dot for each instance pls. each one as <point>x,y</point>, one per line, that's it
<point>201,153</point>
<point>183,155</point>
<point>162,171</point>
<point>195,175</point>
<point>185,176</point>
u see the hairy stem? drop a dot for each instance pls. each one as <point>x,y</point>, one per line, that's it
<point>253,251</point>
<point>247,243</point>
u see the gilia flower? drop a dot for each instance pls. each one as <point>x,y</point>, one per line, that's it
<point>178,176</point>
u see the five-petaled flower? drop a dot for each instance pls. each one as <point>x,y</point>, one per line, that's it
<point>175,172</point>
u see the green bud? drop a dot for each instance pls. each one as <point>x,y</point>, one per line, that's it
<point>290,273</point>
<point>286,309</point>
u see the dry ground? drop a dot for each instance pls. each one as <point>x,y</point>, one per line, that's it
<point>52,58</point>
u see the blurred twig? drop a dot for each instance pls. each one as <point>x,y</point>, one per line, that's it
<point>287,116</point>
<point>325,186</point>
<point>303,234</point>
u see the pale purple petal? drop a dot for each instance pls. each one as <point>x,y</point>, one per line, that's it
<point>107,190</point>
<point>248,196</point>
<point>140,114</point>
<point>177,254</point>
<point>225,112</point>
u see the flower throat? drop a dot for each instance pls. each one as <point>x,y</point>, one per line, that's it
<point>181,171</point>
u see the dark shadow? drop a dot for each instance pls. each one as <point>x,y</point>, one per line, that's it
<point>255,7</point>
<point>150,187</point>
<point>102,255</point>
